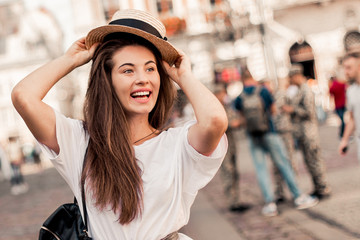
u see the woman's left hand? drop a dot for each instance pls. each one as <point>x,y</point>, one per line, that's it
<point>211,117</point>
<point>182,67</point>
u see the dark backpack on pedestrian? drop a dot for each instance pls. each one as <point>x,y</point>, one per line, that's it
<point>253,109</point>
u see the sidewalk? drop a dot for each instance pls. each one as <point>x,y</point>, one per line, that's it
<point>206,222</point>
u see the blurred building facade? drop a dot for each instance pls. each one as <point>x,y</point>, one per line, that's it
<point>315,34</point>
<point>31,34</point>
<point>220,36</point>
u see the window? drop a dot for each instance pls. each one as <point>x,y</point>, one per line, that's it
<point>215,2</point>
<point>352,41</point>
<point>164,6</point>
<point>9,22</point>
<point>2,45</point>
<point>110,7</point>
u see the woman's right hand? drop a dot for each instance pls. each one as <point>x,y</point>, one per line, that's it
<point>79,54</point>
<point>27,95</point>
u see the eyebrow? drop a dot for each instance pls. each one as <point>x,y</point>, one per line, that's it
<point>132,65</point>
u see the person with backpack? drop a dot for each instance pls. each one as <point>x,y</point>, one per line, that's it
<point>256,105</point>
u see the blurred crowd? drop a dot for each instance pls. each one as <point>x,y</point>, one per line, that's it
<point>16,153</point>
<point>279,120</point>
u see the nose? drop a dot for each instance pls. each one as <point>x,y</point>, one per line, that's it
<point>141,78</point>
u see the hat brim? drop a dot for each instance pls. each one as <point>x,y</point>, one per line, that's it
<point>168,52</point>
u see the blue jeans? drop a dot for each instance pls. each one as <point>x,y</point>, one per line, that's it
<point>271,143</point>
<point>17,177</point>
<point>340,112</point>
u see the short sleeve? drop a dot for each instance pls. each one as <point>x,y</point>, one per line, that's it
<point>349,105</point>
<point>72,140</point>
<point>198,169</point>
<point>268,98</point>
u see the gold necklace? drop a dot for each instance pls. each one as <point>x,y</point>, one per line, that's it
<point>145,137</point>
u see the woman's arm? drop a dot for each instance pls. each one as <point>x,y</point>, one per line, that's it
<point>211,117</point>
<point>27,95</point>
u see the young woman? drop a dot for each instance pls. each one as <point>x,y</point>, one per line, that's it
<point>140,179</point>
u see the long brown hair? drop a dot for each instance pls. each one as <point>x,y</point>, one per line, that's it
<point>111,167</point>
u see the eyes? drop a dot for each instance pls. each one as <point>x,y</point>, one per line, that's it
<point>131,70</point>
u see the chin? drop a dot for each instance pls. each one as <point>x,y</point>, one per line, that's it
<point>140,111</point>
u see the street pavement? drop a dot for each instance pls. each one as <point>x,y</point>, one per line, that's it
<point>335,218</point>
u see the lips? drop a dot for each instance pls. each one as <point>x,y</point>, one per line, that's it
<point>141,95</point>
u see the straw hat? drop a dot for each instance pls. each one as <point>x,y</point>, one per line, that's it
<point>139,23</point>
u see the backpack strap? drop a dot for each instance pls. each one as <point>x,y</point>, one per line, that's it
<point>83,194</point>
<point>257,90</point>
<point>83,199</point>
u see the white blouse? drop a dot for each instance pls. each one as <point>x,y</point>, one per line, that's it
<point>173,172</point>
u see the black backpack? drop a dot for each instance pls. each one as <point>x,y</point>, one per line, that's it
<point>257,120</point>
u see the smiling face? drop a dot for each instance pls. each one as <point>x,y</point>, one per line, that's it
<point>136,79</point>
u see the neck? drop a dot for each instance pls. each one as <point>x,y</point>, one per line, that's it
<point>250,82</point>
<point>140,128</point>
<point>358,79</point>
<point>300,81</point>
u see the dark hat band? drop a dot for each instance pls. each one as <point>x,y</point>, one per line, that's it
<point>134,23</point>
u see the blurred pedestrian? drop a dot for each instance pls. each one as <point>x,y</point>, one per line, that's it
<point>140,180</point>
<point>351,63</point>
<point>337,90</point>
<point>4,164</point>
<point>36,155</point>
<point>256,105</point>
<point>229,169</point>
<point>183,111</point>
<point>304,119</point>
<point>283,126</point>
<point>16,157</point>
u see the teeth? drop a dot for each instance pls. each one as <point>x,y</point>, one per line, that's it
<point>145,93</point>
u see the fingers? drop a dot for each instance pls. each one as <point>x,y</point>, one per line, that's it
<point>166,65</point>
<point>81,40</point>
<point>81,43</point>
<point>178,62</point>
<point>93,48</point>
<point>170,70</point>
<point>181,52</point>
<point>181,58</point>
<point>342,148</point>
<point>340,151</point>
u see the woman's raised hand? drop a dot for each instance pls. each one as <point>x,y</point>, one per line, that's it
<point>182,67</point>
<point>79,54</point>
